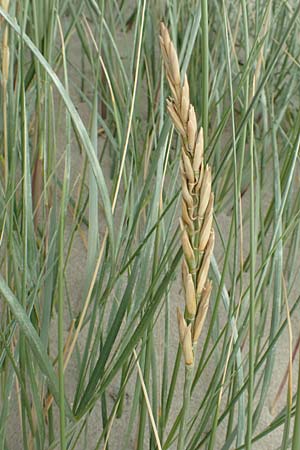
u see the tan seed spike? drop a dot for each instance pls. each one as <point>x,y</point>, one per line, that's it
<point>190,297</point>
<point>202,311</point>
<point>192,129</point>
<point>187,347</point>
<point>198,154</point>
<point>205,192</point>
<point>202,276</point>
<point>175,118</point>
<point>207,224</point>
<point>182,326</point>
<point>197,202</point>
<point>188,170</point>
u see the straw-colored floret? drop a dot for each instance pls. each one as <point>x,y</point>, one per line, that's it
<point>197,203</point>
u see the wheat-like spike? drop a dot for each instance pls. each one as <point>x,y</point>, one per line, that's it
<point>197,201</point>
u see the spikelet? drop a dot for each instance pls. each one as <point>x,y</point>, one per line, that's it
<point>202,311</point>
<point>197,234</point>
<point>190,297</point>
<point>187,347</point>
<point>203,272</point>
<point>198,153</point>
<point>185,338</point>
<point>182,326</point>
<point>207,224</point>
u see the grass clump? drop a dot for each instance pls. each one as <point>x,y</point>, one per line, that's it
<point>91,166</point>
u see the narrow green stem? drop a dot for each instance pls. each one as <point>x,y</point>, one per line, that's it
<point>296,434</point>
<point>252,296</point>
<point>123,395</point>
<point>205,68</point>
<point>51,433</point>
<point>164,389</point>
<point>154,392</point>
<point>60,331</point>
<point>60,324</point>
<point>147,366</point>
<point>172,385</point>
<point>189,371</point>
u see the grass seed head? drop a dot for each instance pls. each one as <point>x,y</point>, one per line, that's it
<point>197,201</point>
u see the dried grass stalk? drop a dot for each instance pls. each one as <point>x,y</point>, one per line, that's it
<point>5,49</point>
<point>197,202</point>
<point>5,70</point>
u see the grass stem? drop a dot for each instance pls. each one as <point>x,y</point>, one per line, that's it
<point>189,371</point>
<point>205,69</point>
